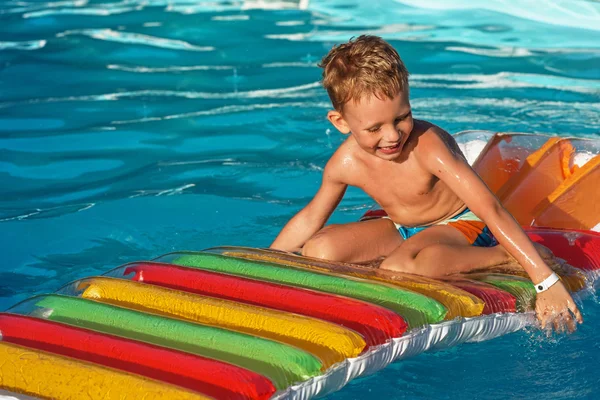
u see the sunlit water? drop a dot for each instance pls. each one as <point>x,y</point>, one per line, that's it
<point>131,129</point>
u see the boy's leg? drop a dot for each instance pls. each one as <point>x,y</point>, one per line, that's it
<point>442,250</point>
<point>355,242</point>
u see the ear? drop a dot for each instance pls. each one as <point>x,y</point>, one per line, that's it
<point>336,118</point>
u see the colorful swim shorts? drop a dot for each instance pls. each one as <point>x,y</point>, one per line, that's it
<point>473,228</point>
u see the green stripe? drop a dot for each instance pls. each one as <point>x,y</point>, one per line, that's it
<point>519,287</point>
<point>415,308</point>
<point>284,365</point>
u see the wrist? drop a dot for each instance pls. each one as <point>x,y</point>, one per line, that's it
<point>547,283</point>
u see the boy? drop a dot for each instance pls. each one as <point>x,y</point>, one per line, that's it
<point>417,174</point>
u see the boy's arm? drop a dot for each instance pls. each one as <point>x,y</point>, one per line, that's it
<point>314,216</point>
<point>450,166</point>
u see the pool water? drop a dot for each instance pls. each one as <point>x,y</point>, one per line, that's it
<point>129,129</point>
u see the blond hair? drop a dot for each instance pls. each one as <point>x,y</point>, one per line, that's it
<point>365,66</point>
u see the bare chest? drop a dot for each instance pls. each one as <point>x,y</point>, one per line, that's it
<point>398,184</point>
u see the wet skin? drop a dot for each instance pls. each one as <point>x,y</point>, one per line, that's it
<point>415,171</point>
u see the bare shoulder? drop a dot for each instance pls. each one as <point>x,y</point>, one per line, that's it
<point>339,165</point>
<point>433,141</point>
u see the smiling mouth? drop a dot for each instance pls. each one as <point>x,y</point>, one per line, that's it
<point>389,149</point>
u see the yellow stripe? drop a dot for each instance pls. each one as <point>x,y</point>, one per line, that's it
<point>40,374</point>
<point>331,343</point>
<point>574,281</point>
<point>457,301</point>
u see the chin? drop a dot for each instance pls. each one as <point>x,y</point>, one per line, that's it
<point>388,156</point>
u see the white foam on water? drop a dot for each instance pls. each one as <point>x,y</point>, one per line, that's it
<point>142,69</point>
<point>504,51</point>
<point>100,12</point>
<point>290,23</point>
<point>503,79</point>
<point>136,38</point>
<point>231,18</point>
<point>30,45</point>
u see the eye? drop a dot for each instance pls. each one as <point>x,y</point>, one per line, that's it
<point>375,129</point>
<point>400,119</point>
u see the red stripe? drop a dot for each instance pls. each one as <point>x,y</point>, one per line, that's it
<point>579,248</point>
<point>373,214</point>
<point>496,300</point>
<point>376,324</point>
<point>204,375</point>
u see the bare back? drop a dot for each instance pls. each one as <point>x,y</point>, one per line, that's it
<point>410,194</point>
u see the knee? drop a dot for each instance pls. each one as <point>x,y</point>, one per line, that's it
<point>322,245</point>
<point>405,263</point>
<point>433,261</point>
<point>416,263</point>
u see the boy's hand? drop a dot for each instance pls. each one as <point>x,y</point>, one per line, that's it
<point>556,309</point>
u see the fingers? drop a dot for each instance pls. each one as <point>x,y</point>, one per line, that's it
<point>570,322</point>
<point>548,320</point>
<point>544,321</point>
<point>545,315</point>
<point>573,308</point>
<point>557,325</point>
<point>559,322</point>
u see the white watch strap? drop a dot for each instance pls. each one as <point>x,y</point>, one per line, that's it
<point>546,283</point>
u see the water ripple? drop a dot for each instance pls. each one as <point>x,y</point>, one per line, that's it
<point>294,92</point>
<point>23,6</point>
<point>231,18</point>
<point>46,212</point>
<point>136,38</point>
<point>99,12</point>
<point>506,80</point>
<point>166,192</point>
<point>203,7</point>
<point>497,52</point>
<point>145,70</point>
<point>232,135</point>
<point>338,33</point>
<point>572,13</point>
<point>228,110</point>
<point>29,45</point>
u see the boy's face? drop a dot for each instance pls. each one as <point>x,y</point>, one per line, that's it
<point>379,126</point>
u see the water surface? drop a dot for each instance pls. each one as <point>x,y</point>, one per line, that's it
<point>129,129</point>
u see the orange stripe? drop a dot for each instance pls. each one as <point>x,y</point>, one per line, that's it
<point>471,229</point>
<point>537,155</point>
<point>566,155</point>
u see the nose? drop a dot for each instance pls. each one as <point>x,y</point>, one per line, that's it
<point>392,135</point>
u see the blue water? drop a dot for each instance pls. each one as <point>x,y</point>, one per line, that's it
<point>131,129</point>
